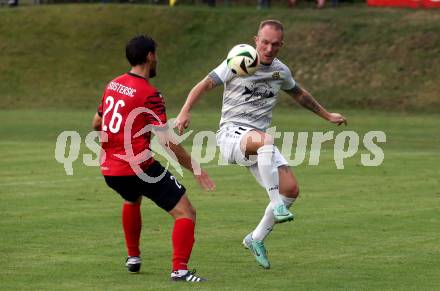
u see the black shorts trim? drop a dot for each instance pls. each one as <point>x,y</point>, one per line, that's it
<point>166,193</point>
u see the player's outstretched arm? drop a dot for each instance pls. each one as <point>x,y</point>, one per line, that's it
<point>307,101</point>
<point>184,159</point>
<point>184,117</point>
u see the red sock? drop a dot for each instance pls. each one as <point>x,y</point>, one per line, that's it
<point>132,224</point>
<point>183,241</point>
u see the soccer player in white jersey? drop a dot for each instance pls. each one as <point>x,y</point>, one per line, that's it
<point>246,115</point>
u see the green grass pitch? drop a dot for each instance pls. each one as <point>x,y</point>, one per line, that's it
<point>374,228</point>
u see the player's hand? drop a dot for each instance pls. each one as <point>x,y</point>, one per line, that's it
<point>337,118</point>
<point>205,181</point>
<point>182,121</point>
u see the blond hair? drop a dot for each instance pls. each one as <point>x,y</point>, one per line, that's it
<point>271,22</point>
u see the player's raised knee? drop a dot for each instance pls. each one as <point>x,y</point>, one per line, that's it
<point>262,139</point>
<point>267,139</point>
<point>254,140</point>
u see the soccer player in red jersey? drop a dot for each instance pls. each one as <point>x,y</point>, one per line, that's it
<point>130,108</point>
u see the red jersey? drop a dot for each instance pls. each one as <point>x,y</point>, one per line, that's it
<point>128,105</point>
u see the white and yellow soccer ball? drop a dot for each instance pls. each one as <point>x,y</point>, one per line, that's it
<point>243,60</point>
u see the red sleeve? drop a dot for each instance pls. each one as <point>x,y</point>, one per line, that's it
<point>156,104</point>
<point>100,107</point>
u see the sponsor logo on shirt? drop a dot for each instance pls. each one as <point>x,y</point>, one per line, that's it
<point>261,90</point>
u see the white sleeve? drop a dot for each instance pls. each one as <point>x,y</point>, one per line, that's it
<point>288,82</point>
<point>221,74</point>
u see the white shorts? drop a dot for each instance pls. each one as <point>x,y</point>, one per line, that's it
<point>229,140</point>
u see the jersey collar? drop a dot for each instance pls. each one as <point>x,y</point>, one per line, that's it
<point>136,76</point>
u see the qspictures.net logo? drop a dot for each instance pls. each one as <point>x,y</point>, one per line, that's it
<point>294,146</point>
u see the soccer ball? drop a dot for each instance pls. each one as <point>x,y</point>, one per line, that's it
<point>243,60</point>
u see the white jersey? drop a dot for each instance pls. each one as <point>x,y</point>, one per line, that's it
<point>249,100</point>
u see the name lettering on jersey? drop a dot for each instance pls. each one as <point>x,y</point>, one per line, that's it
<point>258,90</point>
<point>128,91</point>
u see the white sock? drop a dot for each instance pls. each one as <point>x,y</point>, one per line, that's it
<point>267,222</point>
<point>269,173</point>
<point>288,201</point>
<point>179,273</point>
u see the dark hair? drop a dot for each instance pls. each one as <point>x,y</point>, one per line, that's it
<point>138,48</point>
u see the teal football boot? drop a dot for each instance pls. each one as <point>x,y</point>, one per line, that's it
<point>258,249</point>
<point>282,214</point>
